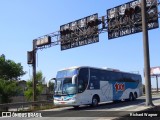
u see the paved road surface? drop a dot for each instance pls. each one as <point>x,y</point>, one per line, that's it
<point>102,112</point>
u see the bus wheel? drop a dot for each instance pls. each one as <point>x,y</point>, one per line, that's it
<point>94,101</point>
<point>76,107</point>
<point>135,95</point>
<point>131,97</point>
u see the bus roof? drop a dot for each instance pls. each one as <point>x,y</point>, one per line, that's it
<point>103,68</point>
<point>74,67</point>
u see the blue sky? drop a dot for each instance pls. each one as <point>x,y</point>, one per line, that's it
<point>21,21</point>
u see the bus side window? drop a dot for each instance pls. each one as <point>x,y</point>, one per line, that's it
<point>105,76</point>
<point>81,86</point>
<point>94,79</point>
<point>137,78</point>
<point>102,76</point>
<point>82,79</point>
<point>126,77</point>
<point>129,78</point>
<point>119,77</point>
<point>113,76</point>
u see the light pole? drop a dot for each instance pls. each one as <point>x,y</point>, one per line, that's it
<point>46,40</point>
<point>34,70</point>
<point>146,56</point>
<point>157,82</point>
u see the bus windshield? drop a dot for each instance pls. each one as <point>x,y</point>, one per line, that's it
<point>65,87</point>
<point>68,87</point>
<point>64,84</point>
<point>66,73</point>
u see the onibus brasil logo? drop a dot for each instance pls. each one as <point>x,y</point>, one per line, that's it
<point>14,114</point>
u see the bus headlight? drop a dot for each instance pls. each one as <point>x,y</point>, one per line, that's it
<point>73,98</point>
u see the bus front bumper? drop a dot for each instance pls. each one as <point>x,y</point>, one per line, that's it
<point>65,103</point>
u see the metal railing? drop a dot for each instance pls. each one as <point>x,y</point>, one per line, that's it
<point>24,104</point>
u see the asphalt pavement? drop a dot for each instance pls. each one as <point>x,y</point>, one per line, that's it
<point>105,111</point>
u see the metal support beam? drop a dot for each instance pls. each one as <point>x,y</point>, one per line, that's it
<point>34,70</point>
<point>56,41</point>
<point>146,56</point>
<point>157,82</point>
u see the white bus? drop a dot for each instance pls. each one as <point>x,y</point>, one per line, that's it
<point>89,86</point>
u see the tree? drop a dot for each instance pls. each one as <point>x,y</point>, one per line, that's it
<point>8,89</point>
<point>9,70</point>
<point>51,87</point>
<point>40,80</point>
<point>9,73</point>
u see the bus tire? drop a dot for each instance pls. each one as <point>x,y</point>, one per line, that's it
<point>135,95</point>
<point>131,97</point>
<point>95,101</point>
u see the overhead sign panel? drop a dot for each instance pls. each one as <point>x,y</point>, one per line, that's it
<point>43,41</point>
<point>126,19</point>
<point>80,32</point>
<point>155,71</point>
<point>30,57</point>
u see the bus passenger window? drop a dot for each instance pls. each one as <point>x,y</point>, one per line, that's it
<point>94,79</point>
<point>81,86</point>
<point>82,79</point>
